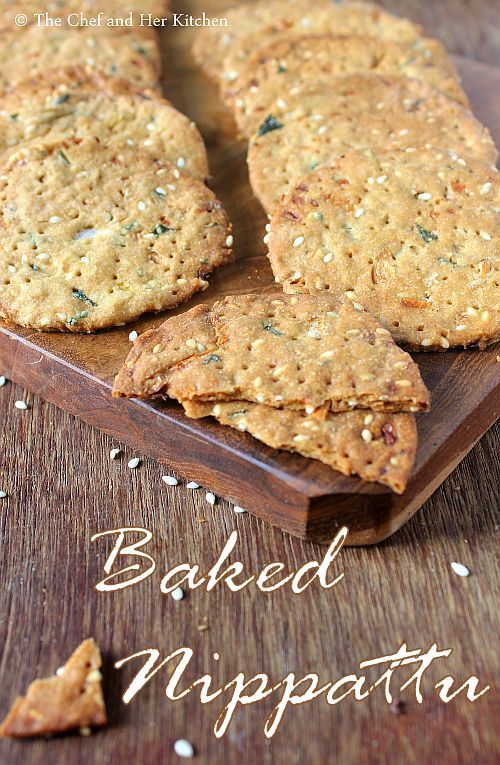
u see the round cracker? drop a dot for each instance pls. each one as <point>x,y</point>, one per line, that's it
<point>361,112</point>
<point>294,64</point>
<point>91,237</point>
<point>147,123</point>
<point>222,50</point>
<point>412,238</point>
<point>36,49</point>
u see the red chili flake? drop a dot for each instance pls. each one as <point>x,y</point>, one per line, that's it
<point>342,181</point>
<point>298,200</point>
<point>390,437</point>
<point>434,214</point>
<point>458,187</point>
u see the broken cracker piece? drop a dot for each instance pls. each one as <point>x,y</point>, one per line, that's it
<point>71,699</point>
<point>302,352</point>
<point>377,447</point>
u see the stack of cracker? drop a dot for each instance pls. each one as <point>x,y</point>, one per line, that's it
<point>104,210</point>
<point>306,374</point>
<point>379,182</point>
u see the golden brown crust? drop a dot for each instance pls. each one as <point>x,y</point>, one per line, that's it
<point>298,352</point>
<point>70,699</point>
<point>376,447</point>
<point>273,79</point>
<point>411,237</point>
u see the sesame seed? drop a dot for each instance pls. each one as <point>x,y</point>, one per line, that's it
<point>141,206</point>
<point>238,509</point>
<point>280,103</point>
<point>404,383</point>
<point>268,227</point>
<point>150,126</point>
<point>298,241</point>
<point>309,409</point>
<point>20,405</point>
<point>327,355</point>
<point>485,188</point>
<point>265,239</point>
<point>3,494</point>
<point>210,497</point>
<point>381,179</point>
<point>133,336</point>
<point>217,410</point>
<point>485,235</point>
<point>460,327</point>
<point>3,380</point>
<point>485,316</point>
<point>460,569</point>
<point>114,453</point>
<point>366,435</point>
<point>156,348</point>
<point>471,311</point>
<point>160,191</point>
<point>368,419</point>
<point>183,748</point>
<point>177,594</point>
<point>358,306</point>
<point>134,463</point>
<point>445,343</point>
<point>85,731</point>
<point>181,162</point>
<point>192,485</point>
<point>55,219</point>
<point>426,342</point>
<point>328,257</point>
<point>257,382</point>
<point>314,333</point>
<point>359,213</point>
<point>424,196</point>
<point>229,241</point>
<point>394,461</point>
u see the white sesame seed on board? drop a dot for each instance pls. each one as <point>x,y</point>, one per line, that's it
<point>3,380</point>
<point>210,497</point>
<point>460,569</point>
<point>21,405</point>
<point>183,748</point>
<point>229,241</point>
<point>192,485</point>
<point>177,594</point>
<point>133,336</point>
<point>114,453</point>
<point>3,494</point>
<point>134,463</point>
<point>170,480</point>
<point>238,509</point>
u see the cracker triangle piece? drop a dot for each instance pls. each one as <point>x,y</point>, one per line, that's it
<point>298,352</point>
<point>375,446</point>
<point>70,699</point>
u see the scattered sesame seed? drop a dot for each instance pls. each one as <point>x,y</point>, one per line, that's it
<point>404,383</point>
<point>268,227</point>
<point>359,213</point>
<point>192,485</point>
<point>424,196</point>
<point>445,343</point>
<point>426,342</point>
<point>85,731</point>
<point>328,257</point>
<point>366,435</point>
<point>485,188</point>
<point>183,748</point>
<point>178,593</point>
<point>298,241</point>
<point>229,241</point>
<point>133,336</point>
<point>20,405</point>
<point>485,316</point>
<point>381,179</point>
<point>460,569</point>
<point>3,494</point>
<point>170,480</point>
<point>55,219</point>
<point>238,509</point>
<point>160,191</point>
<point>134,463</point>
<point>394,461</point>
<point>114,453</point>
<point>265,239</point>
<point>3,380</point>
<point>157,348</point>
<point>368,419</point>
<point>309,409</point>
<point>141,206</point>
<point>181,162</point>
<point>211,498</point>
<point>485,235</point>
<point>460,327</point>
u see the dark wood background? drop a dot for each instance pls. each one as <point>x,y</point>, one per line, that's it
<point>62,488</point>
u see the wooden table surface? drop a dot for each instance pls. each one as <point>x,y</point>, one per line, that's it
<point>62,488</point>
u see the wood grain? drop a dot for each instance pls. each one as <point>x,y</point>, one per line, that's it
<point>63,488</point>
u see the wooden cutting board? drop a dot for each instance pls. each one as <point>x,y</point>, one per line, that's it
<point>301,496</point>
